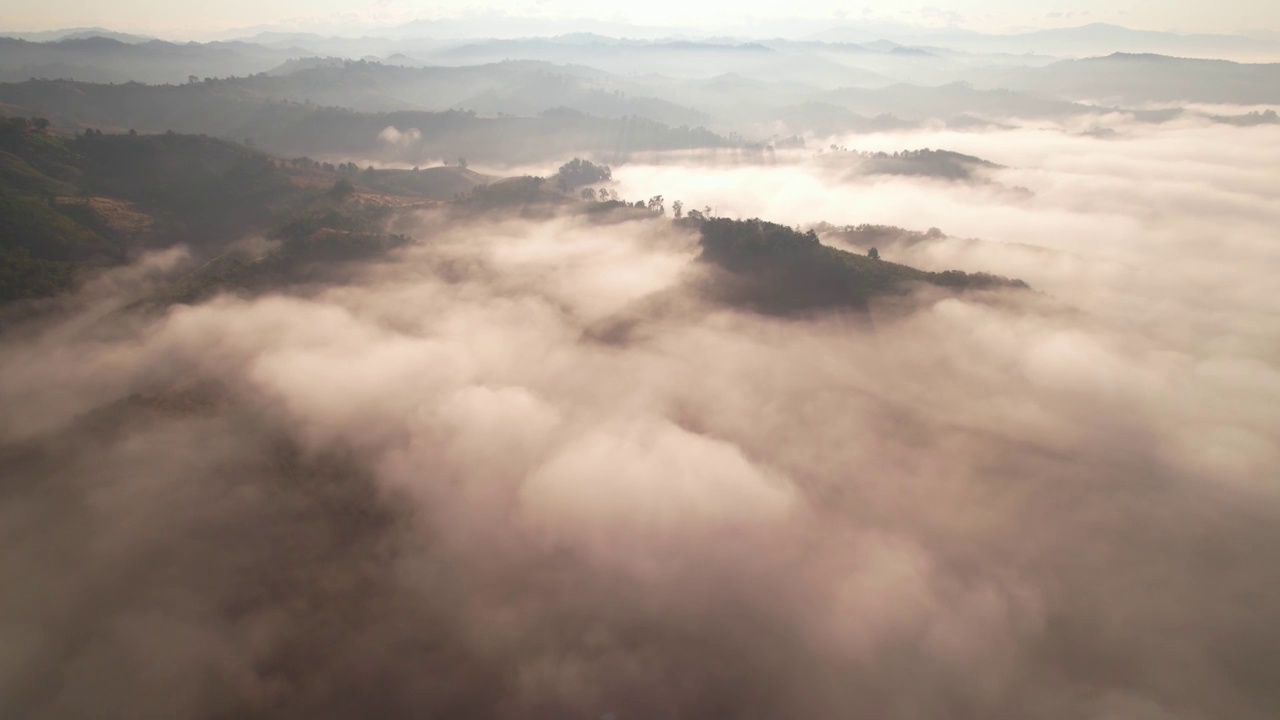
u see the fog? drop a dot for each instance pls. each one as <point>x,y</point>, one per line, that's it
<point>525,468</point>
<point>1164,215</point>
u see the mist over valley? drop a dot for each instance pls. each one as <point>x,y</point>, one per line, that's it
<point>577,368</point>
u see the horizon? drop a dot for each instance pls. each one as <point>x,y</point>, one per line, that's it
<point>1244,19</point>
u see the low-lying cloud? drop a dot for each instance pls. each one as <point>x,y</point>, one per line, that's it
<point>441,490</point>
<point>394,136</point>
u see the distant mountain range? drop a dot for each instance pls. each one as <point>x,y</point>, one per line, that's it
<point>104,59</point>
<point>75,34</point>
<point>1143,78</point>
<point>234,110</point>
<point>1084,40</point>
<point>300,105</point>
<point>744,92</point>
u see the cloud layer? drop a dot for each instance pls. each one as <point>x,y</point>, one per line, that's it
<point>454,487</point>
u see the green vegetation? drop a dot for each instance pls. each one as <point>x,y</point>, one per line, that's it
<point>206,187</point>
<point>578,172</point>
<point>918,163</point>
<point>232,108</point>
<point>867,236</point>
<point>518,192</point>
<point>22,276</point>
<point>436,183</point>
<point>71,203</point>
<point>308,248</point>
<point>95,200</point>
<point>38,239</point>
<point>773,268</point>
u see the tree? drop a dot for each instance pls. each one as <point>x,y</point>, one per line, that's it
<point>677,209</point>
<point>588,194</point>
<point>40,123</point>
<point>578,172</point>
<point>874,254</point>
<point>343,188</point>
<point>696,215</point>
<point>462,163</point>
<point>657,205</point>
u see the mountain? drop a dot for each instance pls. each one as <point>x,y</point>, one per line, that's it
<point>104,59</point>
<point>77,33</point>
<point>732,102</point>
<point>1128,78</point>
<point>942,164</point>
<point>1102,38</point>
<point>496,24</point>
<point>99,199</point>
<point>512,88</point>
<point>75,203</point>
<point>774,269</point>
<point>915,102</point>
<point>1084,40</point>
<point>673,58</point>
<point>230,109</point>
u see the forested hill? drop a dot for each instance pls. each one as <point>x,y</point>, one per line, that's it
<point>776,269</point>
<point>107,59</point>
<point>97,199</point>
<point>503,88</point>
<point>69,203</point>
<point>231,109</point>
<point>92,200</point>
<point>1146,78</point>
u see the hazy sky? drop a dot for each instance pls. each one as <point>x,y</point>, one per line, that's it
<point>168,18</point>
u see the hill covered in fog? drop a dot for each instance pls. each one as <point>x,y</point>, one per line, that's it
<point>759,89</point>
<point>233,110</point>
<point>1146,78</point>
<point>93,58</point>
<point>97,200</point>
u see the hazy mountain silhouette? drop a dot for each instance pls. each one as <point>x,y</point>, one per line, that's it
<point>1130,78</point>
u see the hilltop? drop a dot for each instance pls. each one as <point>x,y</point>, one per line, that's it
<point>775,269</point>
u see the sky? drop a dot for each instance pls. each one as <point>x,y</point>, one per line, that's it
<point>163,18</point>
